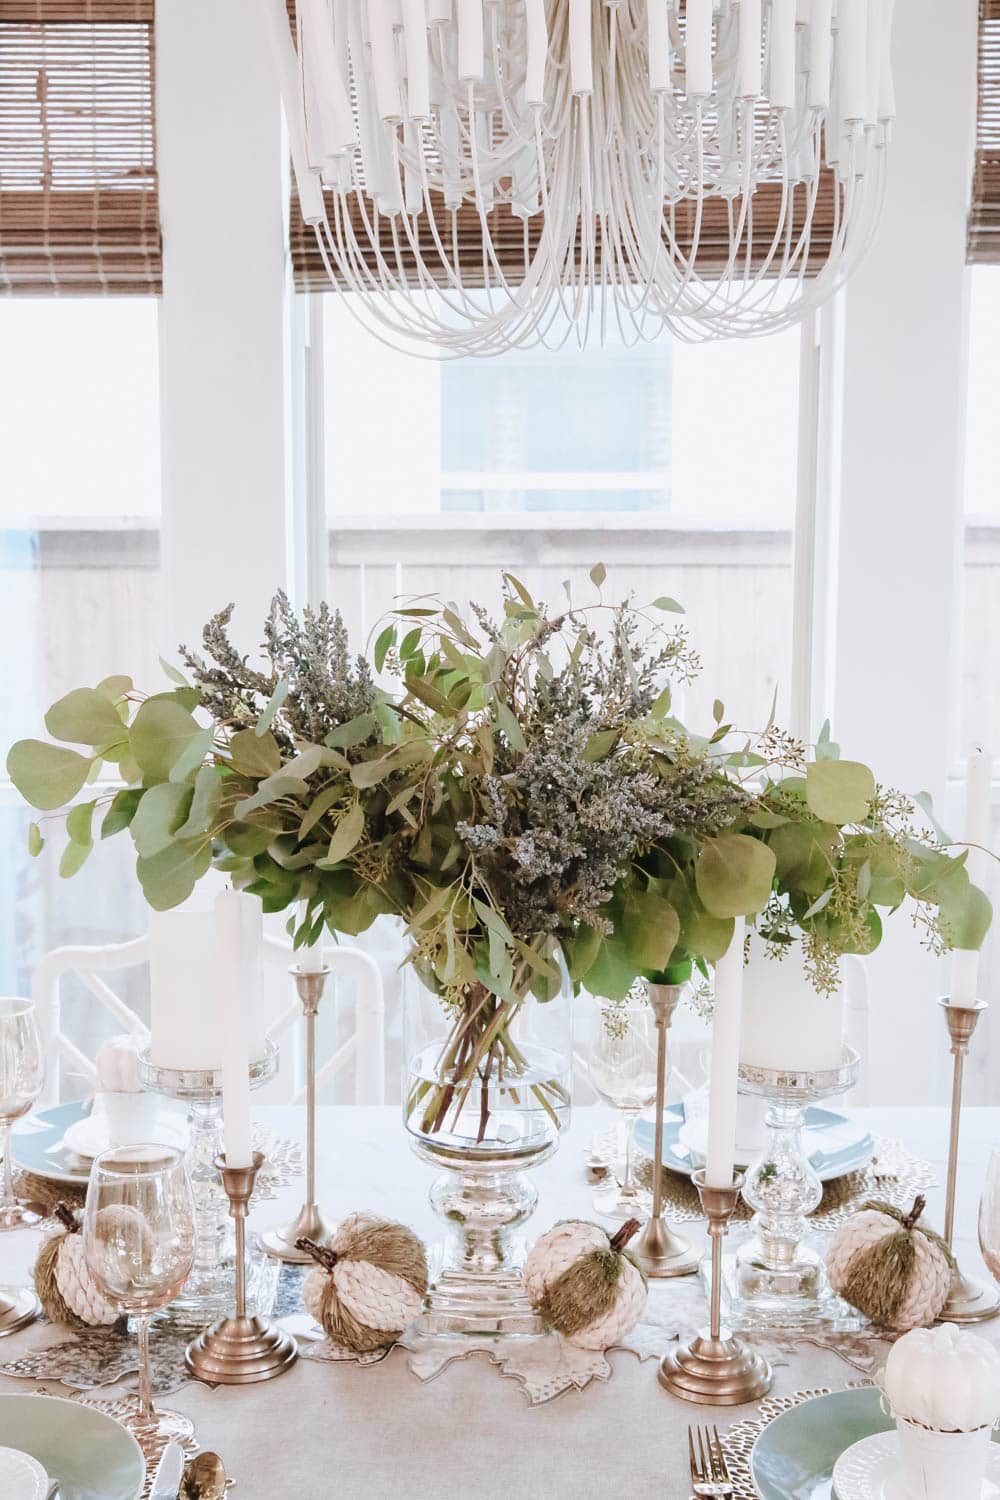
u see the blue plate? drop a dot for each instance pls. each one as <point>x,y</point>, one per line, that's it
<point>794,1457</point>
<point>836,1144</point>
<point>39,1148</point>
<point>90,1454</point>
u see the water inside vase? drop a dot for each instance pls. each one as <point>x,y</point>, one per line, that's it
<point>513,1113</point>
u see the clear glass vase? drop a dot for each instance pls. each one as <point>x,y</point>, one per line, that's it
<point>486,1096</point>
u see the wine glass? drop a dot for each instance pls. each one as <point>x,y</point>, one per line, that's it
<point>138,1239</point>
<point>989,1216</point>
<point>623,1047</point>
<point>22,1069</point>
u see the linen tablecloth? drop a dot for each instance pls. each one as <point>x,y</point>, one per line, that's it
<point>354,1432</point>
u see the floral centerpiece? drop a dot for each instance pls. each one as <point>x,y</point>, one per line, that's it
<point>521,795</point>
<point>525,787</point>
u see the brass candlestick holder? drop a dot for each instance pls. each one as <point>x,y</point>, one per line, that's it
<point>240,1350</point>
<point>282,1242</point>
<point>18,1308</point>
<point>658,1249</point>
<point>715,1368</point>
<point>971,1300</point>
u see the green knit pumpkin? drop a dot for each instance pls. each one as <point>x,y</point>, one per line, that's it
<point>891,1266</point>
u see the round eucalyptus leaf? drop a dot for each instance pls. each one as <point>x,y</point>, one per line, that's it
<point>47,776</point>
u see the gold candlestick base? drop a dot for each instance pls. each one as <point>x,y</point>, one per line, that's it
<point>240,1350</point>
<point>715,1368</point>
<point>971,1300</point>
<point>662,1253</point>
<point>280,1244</point>
<point>17,1310</point>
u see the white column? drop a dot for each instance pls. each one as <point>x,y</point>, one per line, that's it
<point>223,337</point>
<point>901,492</point>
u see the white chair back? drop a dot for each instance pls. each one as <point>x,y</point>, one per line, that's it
<point>365,1047</point>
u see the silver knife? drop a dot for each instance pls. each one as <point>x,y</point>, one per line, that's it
<point>167,1479</point>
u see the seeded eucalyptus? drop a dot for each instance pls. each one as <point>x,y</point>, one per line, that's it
<point>517,790</point>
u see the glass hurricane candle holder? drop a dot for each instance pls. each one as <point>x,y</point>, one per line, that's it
<point>776,1278</point>
<point>208,1291</point>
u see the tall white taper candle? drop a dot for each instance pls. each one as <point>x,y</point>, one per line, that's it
<point>232,973</point>
<point>978,812</point>
<point>721,1155</point>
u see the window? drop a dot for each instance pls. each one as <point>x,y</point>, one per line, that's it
<point>79,576</point>
<point>673,464</point>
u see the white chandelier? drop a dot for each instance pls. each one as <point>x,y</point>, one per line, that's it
<point>488,174</point>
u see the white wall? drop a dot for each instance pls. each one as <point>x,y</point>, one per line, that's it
<point>905,367</point>
<point>223,327</point>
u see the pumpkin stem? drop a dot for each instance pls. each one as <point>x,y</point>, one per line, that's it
<point>67,1218</point>
<point>320,1254</point>
<point>625,1233</point>
<point>919,1204</point>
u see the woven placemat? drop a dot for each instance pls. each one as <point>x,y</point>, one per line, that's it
<point>282,1165</point>
<point>893,1174</point>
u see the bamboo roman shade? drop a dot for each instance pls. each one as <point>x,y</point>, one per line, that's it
<point>516,239</point>
<point>984,215</point>
<point>78,201</point>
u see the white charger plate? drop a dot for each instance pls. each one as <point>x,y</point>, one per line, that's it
<point>89,1453</point>
<point>870,1470</point>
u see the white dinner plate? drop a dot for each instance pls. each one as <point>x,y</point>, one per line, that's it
<point>21,1476</point>
<point>152,1121</point>
<point>870,1470</point>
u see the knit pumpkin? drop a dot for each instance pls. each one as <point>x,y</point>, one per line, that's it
<point>65,1287</point>
<point>585,1284</point>
<point>369,1283</point>
<point>891,1266</point>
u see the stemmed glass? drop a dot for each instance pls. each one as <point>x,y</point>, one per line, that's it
<point>138,1239</point>
<point>22,1069</point>
<point>623,1071</point>
<point>989,1216</point>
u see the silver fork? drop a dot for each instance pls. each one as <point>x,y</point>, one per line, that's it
<point>709,1470</point>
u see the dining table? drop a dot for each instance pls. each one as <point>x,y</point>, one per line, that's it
<point>374,1431</point>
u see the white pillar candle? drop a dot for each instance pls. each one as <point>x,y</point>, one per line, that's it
<point>720,1158</point>
<point>786,1022</point>
<point>750,49</point>
<point>852,58</point>
<point>976,833</point>
<point>886,88</point>
<point>781,63</point>
<point>698,47</point>
<point>185,1022</point>
<point>238,974</point>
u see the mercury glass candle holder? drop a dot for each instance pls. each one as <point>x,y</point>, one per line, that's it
<point>776,1278</point>
<point>208,1291</point>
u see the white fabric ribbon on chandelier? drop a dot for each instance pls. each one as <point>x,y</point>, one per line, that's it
<point>488,174</point>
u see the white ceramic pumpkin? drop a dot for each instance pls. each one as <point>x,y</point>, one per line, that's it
<point>945,1378</point>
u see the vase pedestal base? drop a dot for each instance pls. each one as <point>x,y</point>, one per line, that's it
<point>460,1305</point>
